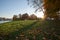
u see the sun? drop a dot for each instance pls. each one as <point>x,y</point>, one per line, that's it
<point>40,14</point>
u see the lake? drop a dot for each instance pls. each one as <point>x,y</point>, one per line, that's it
<point>3,21</point>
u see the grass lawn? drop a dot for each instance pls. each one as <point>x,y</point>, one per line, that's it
<point>30,30</point>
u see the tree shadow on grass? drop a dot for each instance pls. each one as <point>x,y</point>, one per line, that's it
<point>14,34</point>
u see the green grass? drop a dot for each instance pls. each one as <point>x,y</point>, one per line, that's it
<point>9,27</point>
<point>30,29</point>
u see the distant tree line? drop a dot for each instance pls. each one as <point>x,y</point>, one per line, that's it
<point>25,16</point>
<point>4,19</point>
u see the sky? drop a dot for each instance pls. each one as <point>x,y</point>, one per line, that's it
<point>8,8</point>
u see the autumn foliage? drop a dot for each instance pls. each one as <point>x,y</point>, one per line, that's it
<point>52,8</point>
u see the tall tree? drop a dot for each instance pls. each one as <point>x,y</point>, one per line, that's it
<point>52,10</point>
<point>51,7</point>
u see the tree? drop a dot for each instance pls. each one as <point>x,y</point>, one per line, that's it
<point>15,17</point>
<point>20,16</point>
<point>51,7</point>
<point>37,4</point>
<point>51,10</point>
<point>33,17</point>
<point>25,16</point>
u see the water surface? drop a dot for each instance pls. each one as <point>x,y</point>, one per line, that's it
<point>4,21</point>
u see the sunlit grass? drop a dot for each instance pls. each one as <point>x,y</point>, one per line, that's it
<point>29,29</point>
<point>9,27</point>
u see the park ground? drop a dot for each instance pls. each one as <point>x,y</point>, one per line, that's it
<point>30,30</point>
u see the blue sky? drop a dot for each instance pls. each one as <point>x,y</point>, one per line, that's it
<point>8,8</point>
